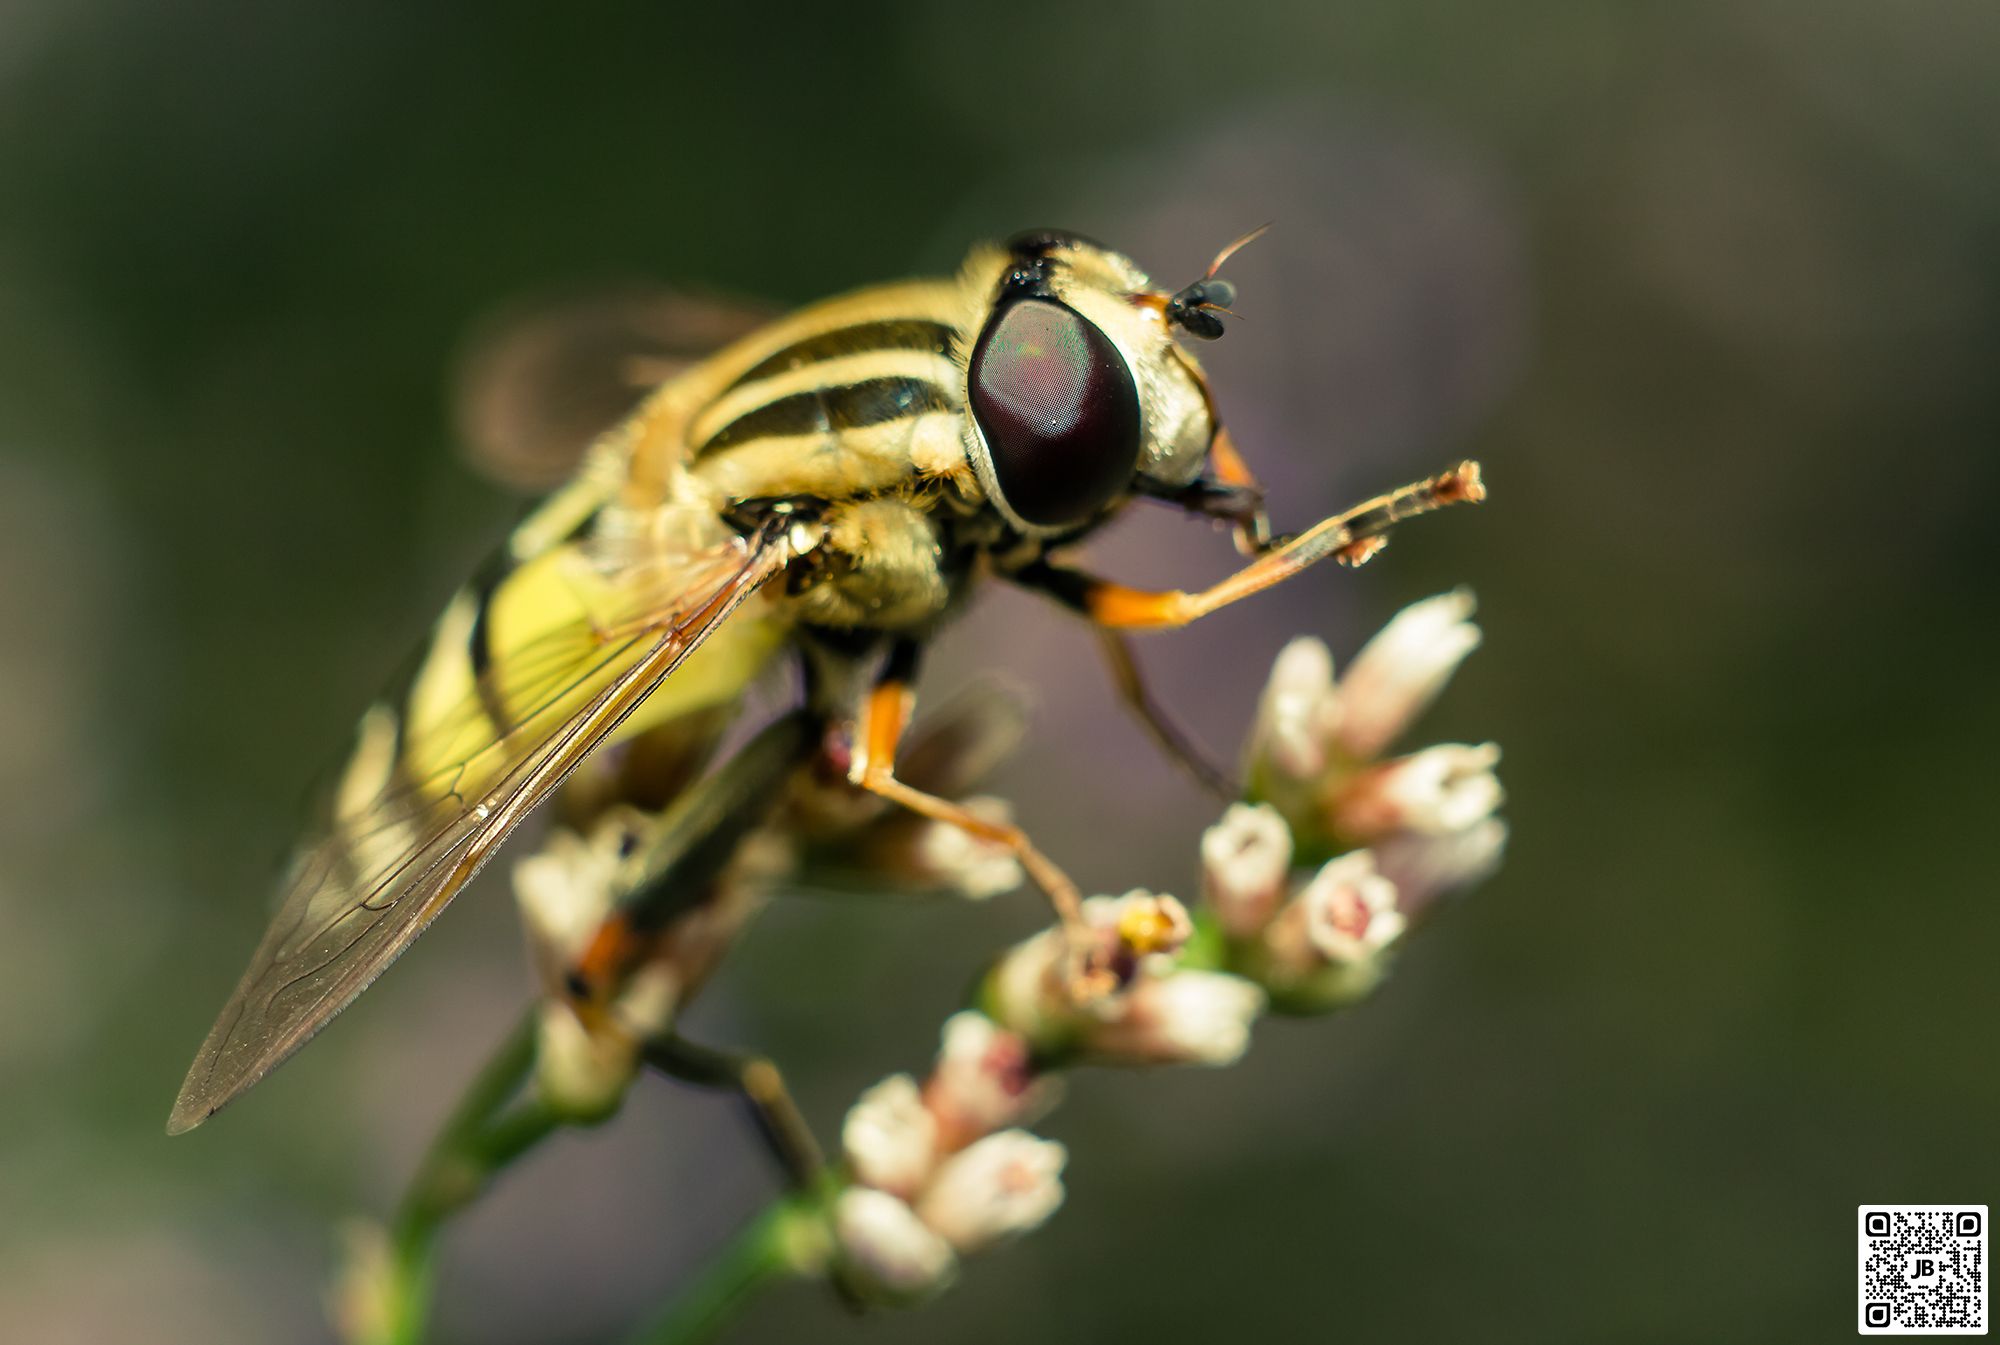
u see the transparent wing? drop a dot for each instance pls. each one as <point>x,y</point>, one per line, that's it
<point>543,377</point>
<point>393,856</point>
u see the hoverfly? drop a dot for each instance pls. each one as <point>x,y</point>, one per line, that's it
<point>831,485</point>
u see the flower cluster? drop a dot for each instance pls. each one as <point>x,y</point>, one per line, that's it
<point>1382,838</point>
<point>1306,891</point>
<point>1317,757</point>
<point>942,1167</point>
<point>825,832</point>
<point>588,1053</point>
<point>1159,1011</point>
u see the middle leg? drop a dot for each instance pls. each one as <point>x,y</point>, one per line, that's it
<point>885,713</point>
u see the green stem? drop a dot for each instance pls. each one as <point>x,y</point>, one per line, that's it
<point>786,1239</point>
<point>477,1141</point>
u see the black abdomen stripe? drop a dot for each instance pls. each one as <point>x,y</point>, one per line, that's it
<point>850,406</point>
<point>888,334</point>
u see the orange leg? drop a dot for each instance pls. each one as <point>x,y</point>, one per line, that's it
<point>1351,537</point>
<point>885,713</point>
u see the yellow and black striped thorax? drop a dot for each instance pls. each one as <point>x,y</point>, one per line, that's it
<point>856,396</point>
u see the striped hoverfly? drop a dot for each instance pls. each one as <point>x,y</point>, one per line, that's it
<point>828,487</point>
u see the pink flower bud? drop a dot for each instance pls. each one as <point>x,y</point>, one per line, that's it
<point>1299,712</point>
<point>890,1139</point>
<point>1399,673</point>
<point>1179,1018</point>
<point>1245,859</point>
<point>984,1081</point>
<point>998,1188</point>
<point>1438,791</point>
<point>887,1252</point>
<point>1425,868</point>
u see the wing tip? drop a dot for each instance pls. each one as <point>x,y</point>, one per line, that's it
<point>190,1110</point>
<point>207,1089</point>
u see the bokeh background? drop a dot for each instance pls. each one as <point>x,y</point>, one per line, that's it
<point>1713,289</point>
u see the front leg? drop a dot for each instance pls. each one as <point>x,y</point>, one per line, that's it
<point>1351,537</point>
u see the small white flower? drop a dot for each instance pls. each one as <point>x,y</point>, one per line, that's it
<point>1427,867</point>
<point>998,1188</point>
<point>581,1072</point>
<point>1399,673</point>
<point>1050,989</point>
<point>1299,711</point>
<point>984,1080</point>
<point>951,858</point>
<point>589,1052</point>
<point>1025,991</point>
<point>886,1250</point>
<point>1438,791</point>
<point>566,890</point>
<point>1245,859</point>
<point>1142,924</point>
<point>1348,910</point>
<point>1139,931</point>
<point>1180,1018</point>
<point>1326,947</point>
<point>890,1138</point>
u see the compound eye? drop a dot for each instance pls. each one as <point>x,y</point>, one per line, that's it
<point>1059,410</point>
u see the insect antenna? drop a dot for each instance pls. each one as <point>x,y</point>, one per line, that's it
<point>1195,309</point>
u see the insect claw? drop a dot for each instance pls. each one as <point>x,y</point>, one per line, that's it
<point>1360,551</point>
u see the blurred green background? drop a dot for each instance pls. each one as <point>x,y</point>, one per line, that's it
<point>1713,289</point>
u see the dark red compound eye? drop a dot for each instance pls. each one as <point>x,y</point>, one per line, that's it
<point>1059,410</point>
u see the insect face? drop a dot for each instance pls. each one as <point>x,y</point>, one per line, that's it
<point>1075,386</point>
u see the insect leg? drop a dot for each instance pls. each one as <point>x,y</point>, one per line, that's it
<point>885,713</point>
<point>762,1087</point>
<point>674,865</point>
<point>1351,537</point>
<point>1171,739</point>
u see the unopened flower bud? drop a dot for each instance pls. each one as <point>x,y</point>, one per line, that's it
<point>887,1252</point>
<point>890,1137</point>
<point>998,1188</point>
<point>942,856</point>
<point>1298,713</point>
<point>1245,859</point>
<point>1438,791</point>
<point>581,1072</point>
<point>984,1081</point>
<point>1179,1018</point>
<point>1425,868</point>
<point>1399,673</point>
